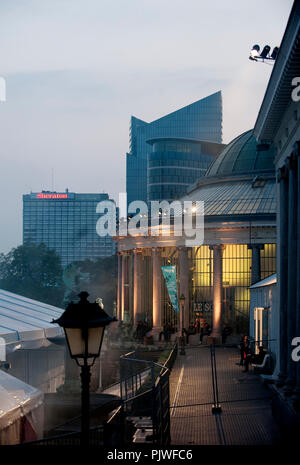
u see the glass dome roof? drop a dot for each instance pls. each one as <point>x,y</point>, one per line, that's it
<point>243,156</point>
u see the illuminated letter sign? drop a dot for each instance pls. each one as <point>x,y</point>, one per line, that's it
<point>51,196</point>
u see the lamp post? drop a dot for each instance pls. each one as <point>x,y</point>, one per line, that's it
<point>84,323</point>
<point>182,301</point>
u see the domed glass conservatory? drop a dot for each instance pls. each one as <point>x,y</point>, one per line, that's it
<point>239,247</point>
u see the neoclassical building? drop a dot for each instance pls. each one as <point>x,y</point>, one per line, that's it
<point>278,123</point>
<point>239,248</point>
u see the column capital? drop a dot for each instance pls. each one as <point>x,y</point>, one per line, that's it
<point>255,246</point>
<point>296,148</point>
<point>182,248</point>
<point>137,251</point>
<point>282,173</point>
<point>155,249</point>
<point>217,246</point>
<point>292,162</point>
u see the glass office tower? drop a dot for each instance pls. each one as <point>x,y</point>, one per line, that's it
<point>175,164</point>
<point>201,121</point>
<point>66,222</point>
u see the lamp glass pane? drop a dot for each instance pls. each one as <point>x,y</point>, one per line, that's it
<point>95,336</point>
<point>75,341</point>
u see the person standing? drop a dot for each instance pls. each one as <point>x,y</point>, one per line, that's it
<point>241,351</point>
<point>247,353</point>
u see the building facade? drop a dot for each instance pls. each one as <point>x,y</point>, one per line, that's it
<point>278,123</point>
<point>201,121</point>
<point>263,326</point>
<point>239,248</point>
<point>66,222</point>
<point>176,163</point>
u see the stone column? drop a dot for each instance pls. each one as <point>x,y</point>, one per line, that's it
<point>217,291</point>
<point>119,291</point>
<point>255,262</point>
<point>184,284</point>
<point>157,316</point>
<point>137,287</point>
<point>282,224</point>
<point>292,270</point>
<point>123,282</point>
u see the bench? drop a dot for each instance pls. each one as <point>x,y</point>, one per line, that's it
<point>265,363</point>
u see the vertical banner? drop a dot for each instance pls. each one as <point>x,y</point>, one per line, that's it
<point>169,273</point>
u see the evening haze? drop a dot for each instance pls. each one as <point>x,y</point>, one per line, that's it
<point>77,70</point>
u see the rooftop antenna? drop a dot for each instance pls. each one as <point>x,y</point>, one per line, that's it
<point>52,179</point>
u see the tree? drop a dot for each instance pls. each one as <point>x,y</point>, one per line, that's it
<point>98,278</point>
<point>33,271</point>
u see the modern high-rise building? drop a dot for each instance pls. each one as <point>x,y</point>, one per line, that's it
<point>199,121</point>
<point>176,163</point>
<point>66,222</point>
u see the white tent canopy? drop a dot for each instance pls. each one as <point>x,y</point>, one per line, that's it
<point>21,411</point>
<point>25,321</point>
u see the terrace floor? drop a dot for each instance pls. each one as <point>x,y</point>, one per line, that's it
<point>246,417</point>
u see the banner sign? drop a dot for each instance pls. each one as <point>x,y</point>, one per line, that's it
<point>169,273</point>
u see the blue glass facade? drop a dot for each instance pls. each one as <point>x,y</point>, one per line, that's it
<point>66,222</point>
<point>175,164</point>
<point>201,121</point>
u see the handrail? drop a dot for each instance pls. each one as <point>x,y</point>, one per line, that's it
<point>150,365</point>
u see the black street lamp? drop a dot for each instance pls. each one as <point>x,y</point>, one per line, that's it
<point>182,301</point>
<point>84,323</point>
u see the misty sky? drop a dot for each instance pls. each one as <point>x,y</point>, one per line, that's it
<point>76,70</point>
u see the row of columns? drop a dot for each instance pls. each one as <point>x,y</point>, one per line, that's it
<point>157,307</point>
<point>288,177</point>
<point>184,274</point>
<point>218,281</point>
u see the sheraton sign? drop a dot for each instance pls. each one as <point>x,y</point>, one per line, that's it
<point>42,195</point>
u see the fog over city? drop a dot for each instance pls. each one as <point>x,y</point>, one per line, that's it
<point>76,71</point>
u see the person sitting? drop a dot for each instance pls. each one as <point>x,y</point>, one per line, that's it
<point>259,358</point>
<point>197,325</point>
<point>166,332</point>
<point>141,330</point>
<point>227,330</point>
<point>191,329</point>
<point>204,331</point>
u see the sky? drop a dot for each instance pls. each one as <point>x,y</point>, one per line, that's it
<point>76,70</point>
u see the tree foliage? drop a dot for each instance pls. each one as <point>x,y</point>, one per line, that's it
<point>98,278</point>
<point>33,271</point>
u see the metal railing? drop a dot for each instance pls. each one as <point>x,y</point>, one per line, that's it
<point>145,392</point>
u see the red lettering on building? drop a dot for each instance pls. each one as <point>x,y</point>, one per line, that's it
<point>51,196</point>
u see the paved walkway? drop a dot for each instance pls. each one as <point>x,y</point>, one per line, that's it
<point>246,411</point>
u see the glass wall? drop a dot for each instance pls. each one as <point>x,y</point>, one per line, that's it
<point>201,120</point>
<point>67,226</point>
<point>201,285</point>
<point>170,173</point>
<point>268,260</point>
<point>236,282</point>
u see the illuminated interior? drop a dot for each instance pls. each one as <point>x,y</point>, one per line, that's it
<point>236,281</point>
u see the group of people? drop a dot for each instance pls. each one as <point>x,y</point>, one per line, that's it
<point>247,355</point>
<point>141,330</point>
<point>200,326</point>
<point>168,329</point>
